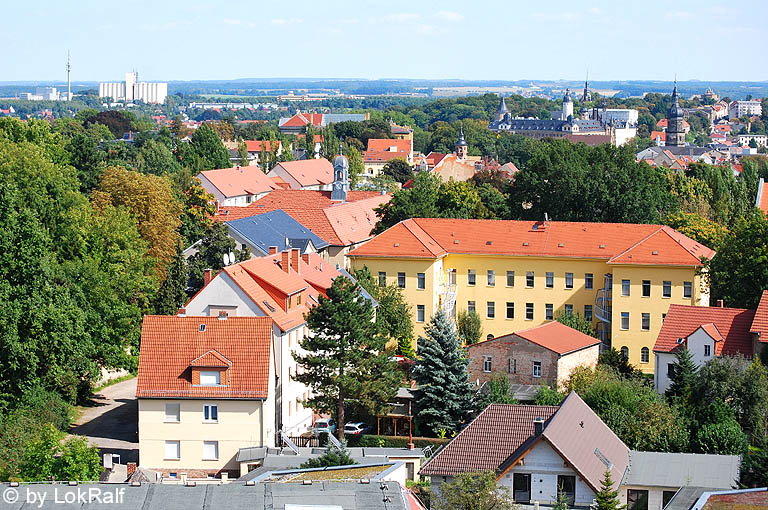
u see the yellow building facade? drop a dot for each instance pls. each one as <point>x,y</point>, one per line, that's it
<point>477,265</point>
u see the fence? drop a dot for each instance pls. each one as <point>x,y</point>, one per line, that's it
<point>305,441</point>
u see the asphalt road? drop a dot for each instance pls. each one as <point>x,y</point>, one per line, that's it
<point>111,421</point>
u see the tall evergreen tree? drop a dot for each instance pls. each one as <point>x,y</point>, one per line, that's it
<point>345,356</point>
<point>607,498</point>
<point>683,376</point>
<point>444,395</point>
<point>171,294</point>
<point>207,145</point>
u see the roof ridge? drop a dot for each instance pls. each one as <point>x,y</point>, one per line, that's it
<point>412,221</point>
<point>666,229</point>
<point>638,243</point>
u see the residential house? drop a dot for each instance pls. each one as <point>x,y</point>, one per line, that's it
<point>517,274</point>
<point>343,225</point>
<point>760,140</point>
<point>272,232</point>
<point>459,165</point>
<point>205,388</point>
<point>237,186</point>
<point>284,287</point>
<point>401,132</point>
<point>381,151</point>
<point>309,174</point>
<point>544,354</point>
<point>739,109</point>
<point>255,148</point>
<point>298,123</point>
<point>708,332</point>
<point>538,450</point>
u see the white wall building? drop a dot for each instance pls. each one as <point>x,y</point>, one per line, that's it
<point>133,90</point>
<point>738,109</point>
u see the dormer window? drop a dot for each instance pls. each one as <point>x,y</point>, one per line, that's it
<point>210,378</point>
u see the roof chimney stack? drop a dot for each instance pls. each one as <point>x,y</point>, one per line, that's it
<point>538,426</point>
<point>720,303</point>
<point>305,257</point>
<point>223,315</point>
<point>285,262</point>
<point>272,250</point>
<point>182,312</point>
<point>295,254</point>
<point>207,276</point>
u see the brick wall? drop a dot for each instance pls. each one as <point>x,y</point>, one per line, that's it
<point>507,352</point>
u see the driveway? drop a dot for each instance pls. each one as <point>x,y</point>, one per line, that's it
<point>110,421</point>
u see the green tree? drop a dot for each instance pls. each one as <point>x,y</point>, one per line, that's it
<point>87,158</point>
<point>333,456</point>
<point>546,396</point>
<point>683,376</point>
<point>473,491</point>
<point>345,356</point>
<point>210,254</point>
<point>470,327</point>
<point>399,170</point>
<point>209,149</point>
<point>242,153</point>
<point>444,395</point>
<point>418,201</point>
<point>698,228</point>
<point>155,158</point>
<point>46,458</point>
<point>118,122</point>
<point>172,293</point>
<point>563,502</point>
<point>496,391</point>
<point>739,271</point>
<point>607,498</point>
<point>617,362</point>
<point>721,438</point>
<point>356,167</point>
<point>576,321</point>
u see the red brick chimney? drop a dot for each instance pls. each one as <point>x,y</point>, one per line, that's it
<point>305,257</point>
<point>207,276</point>
<point>182,312</point>
<point>285,261</point>
<point>272,250</point>
<point>295,254</point>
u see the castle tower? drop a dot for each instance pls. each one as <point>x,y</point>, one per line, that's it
<point>461,146</point>
<point>675,118</point>
<point>340,177</point>
<point>503,110</point>
<point>567,105</point>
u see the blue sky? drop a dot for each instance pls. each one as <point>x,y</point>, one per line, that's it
<point>510,40</point>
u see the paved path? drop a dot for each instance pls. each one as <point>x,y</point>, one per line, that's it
<point>111,421</point>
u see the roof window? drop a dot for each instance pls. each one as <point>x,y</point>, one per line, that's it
<point>202,328</point>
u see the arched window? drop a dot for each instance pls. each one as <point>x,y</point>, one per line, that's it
<point>489,337</point>
<point>645,355</point>
<point>625,352</point>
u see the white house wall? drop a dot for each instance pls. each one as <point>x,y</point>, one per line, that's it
<point>223,291</point>
<point>696,344</point>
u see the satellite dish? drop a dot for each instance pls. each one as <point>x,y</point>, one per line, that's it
<point>231,258</point>
<point>226,259</point>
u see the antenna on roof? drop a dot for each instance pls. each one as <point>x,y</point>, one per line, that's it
<point>226,259</point>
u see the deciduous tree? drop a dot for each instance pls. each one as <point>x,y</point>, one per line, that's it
<point>473,491</point>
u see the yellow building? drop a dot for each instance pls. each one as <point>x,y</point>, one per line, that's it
<point>520,274</point>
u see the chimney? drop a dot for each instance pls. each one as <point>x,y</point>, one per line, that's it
<point>207,276</point>
<point>272,250</point>
<point>538,426</point>
<point>130,469</point>
<point>183,478</point>
<point>305,257</point>
<point>224,477</point>
<point>295,254</point>
<point>182,312</point>
<point>720,303</point>
<point>285,261</point>
<point>223,315</point>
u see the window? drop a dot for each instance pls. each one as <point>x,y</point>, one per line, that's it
<point>569,309</point>
<point>510,278</point>
<point>549,311</point>
<point>401,280</point>
<point>567,484</point>
<point>529,279</point>
<point>637,499</point>
<point>550,280</point>
<point>210,450</point>
<point>568,280</point>
<point>529,311</point>
<point>210,378</point>
<point>509,365</point>
<point>589,280</point>
<point>470,307</point>
<point>645,355</point>
<point>420,280</point>
<point>537,368</point>
<point>172,413</point>
<point>707,351</point>
<point>491,309</point>
<point>470,277</point>
<point>491,278</point>
<point>609,281</point>
<point>419,313</point>
<point>510,310</point>
<point>646,288</point>
<point>487,363</point>
<point>588,312</point>
<point>625,287</point>
<point>489,336</point>
<point>211,413</point>
<point>646,322</point>
<point>687,289</point>
<point>666,497</point>
<point>172,450</point>
<point>514,366</point>
<point>666,289</point>
<point>382,278</point>
<point>624,320</point>
<point>670,369</point>
<point>625,352</point>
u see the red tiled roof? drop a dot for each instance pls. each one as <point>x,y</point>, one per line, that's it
<point>661,135</point>
<point>373,157</point>
<point>732,325</point>
<point>753,499</point>
<point>434,158</point>
<point>341,224</point>
<point>664,123</point>
<point>557,337</point>
<point>302,119</point>
<point>257,145</point>
<point>760,323</point>
<point>618,243</point>
<point>170,345</point>
<point>241,180</point>
<point>450,167</point>
<point>308,172</point>
<point>210,359</point>
<point>388,144</point>
<point>488,440</point>
<point>763,205</point>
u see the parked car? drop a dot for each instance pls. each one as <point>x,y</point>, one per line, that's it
<point>356,429</point>
<point>327,425</point>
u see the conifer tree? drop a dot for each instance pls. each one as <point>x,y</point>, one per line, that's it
<point>607,498</point>
<point>171,294</point>
<point>444,395</point>
<point>683,376</point>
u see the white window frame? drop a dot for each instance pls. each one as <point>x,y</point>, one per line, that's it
<point>510,278</point>
<point>530,279</point>
<point>471,307</point>
<point>209,410</point>
<point>529,307</point>
<point>176,444</point>
<point>208,374</point>
<point>536,364</point>
<point>471,277</point>
<point>645,355</point>
<point>642,288</point>
<point>490,309</point>
<point>215,446</point>
<point>624,315</point>
<point>510,307</point>
<point>707,350</point>
<point>666,289</point>
<point>487,364</point>
<point>549,312</point>
<point>591,315</point>
<point>687,290</point>
<point>643,318</point>
<point>491,278</point>
<point>382,278</point>
<point>549,280</point>
<point>401,279</point>
<point>569,280</point>
<point>626,287</point>
<point>421,281</point>
<point>420,310</point>
<point>177,419</point>
<point>589,281</point>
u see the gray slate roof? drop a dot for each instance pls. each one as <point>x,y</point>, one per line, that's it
<point>233,496</point>
<point>658,469</point>
<point>273,229</point>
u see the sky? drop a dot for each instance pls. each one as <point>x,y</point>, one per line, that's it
<point>420,39</point>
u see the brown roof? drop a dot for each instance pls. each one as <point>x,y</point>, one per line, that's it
<point>488,440</point>
<point>732,325</point>
<point>238,181</point>
<point>617,243</point>
<point>171,345</point>
<point>760,322</point>
<point>554,336</point>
